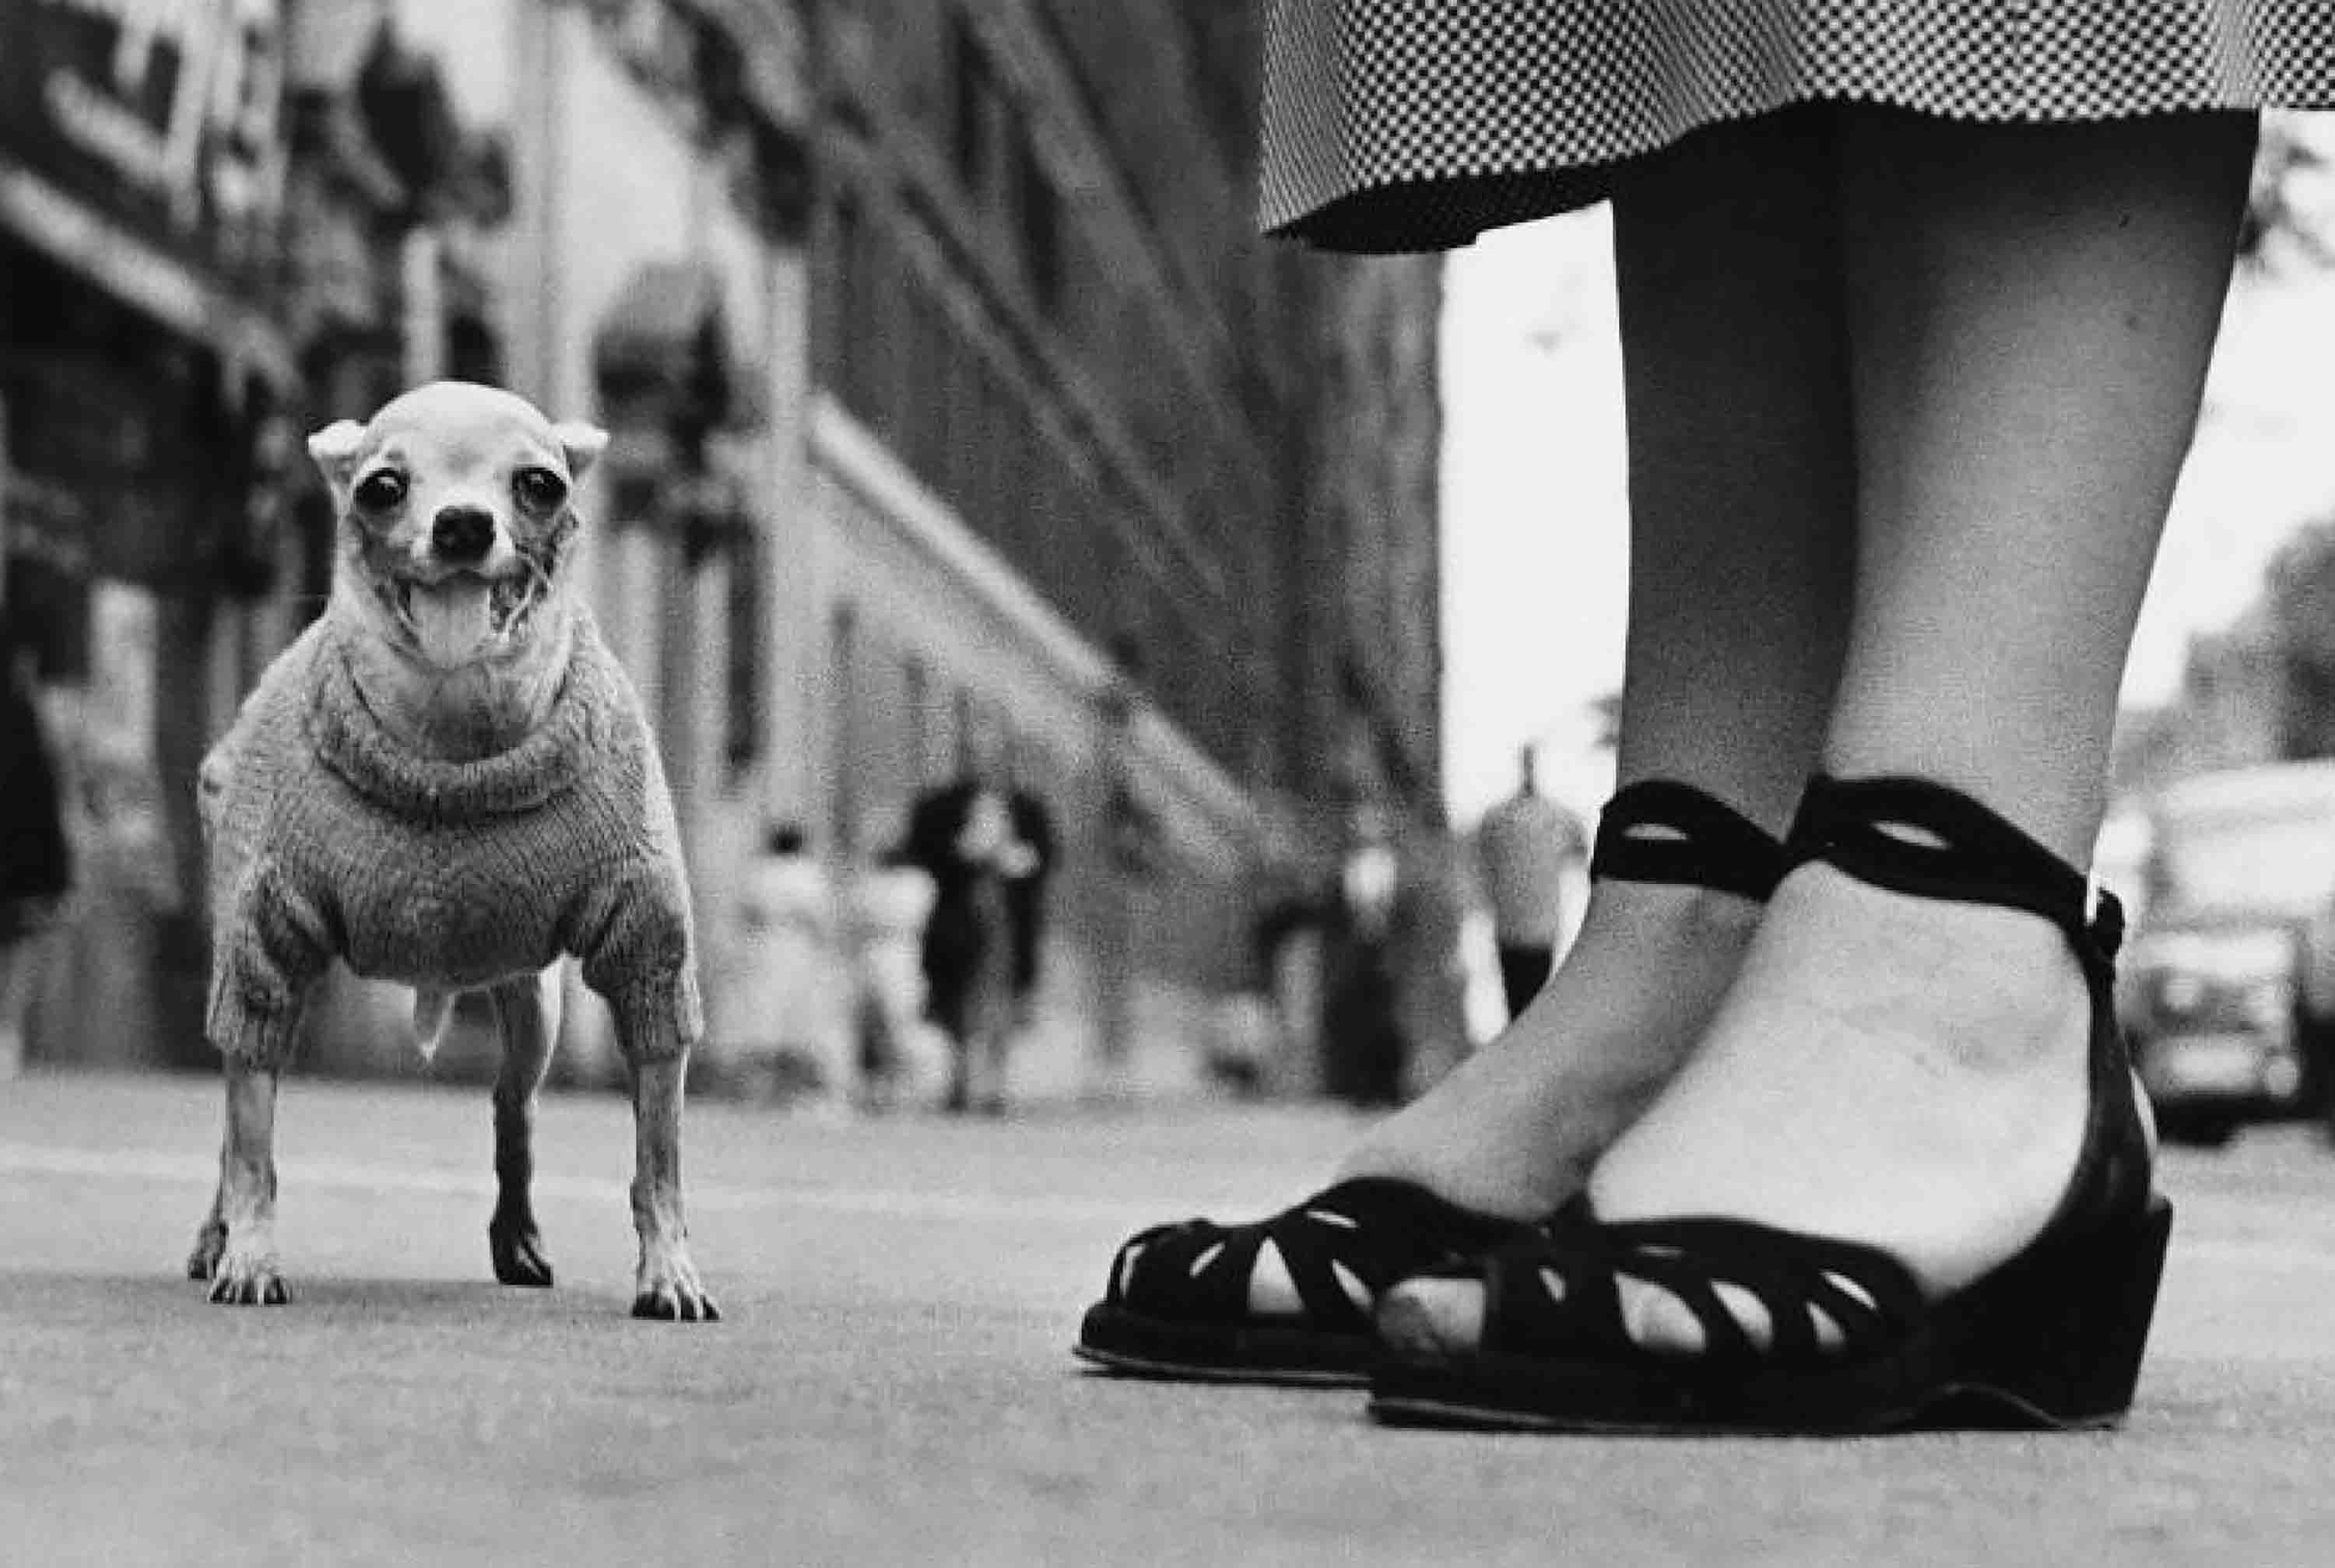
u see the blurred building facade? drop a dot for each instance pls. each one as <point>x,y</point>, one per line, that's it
<point>143,368</point>
<point>953,396</point>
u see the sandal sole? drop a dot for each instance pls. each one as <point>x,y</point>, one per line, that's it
<point>2050,1343</point>
<point>1972,1408</point>
<point>1128,1342</point>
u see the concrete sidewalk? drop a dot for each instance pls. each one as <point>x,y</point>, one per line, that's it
<point>892,1384</point>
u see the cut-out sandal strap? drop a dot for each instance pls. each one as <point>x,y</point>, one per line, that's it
<point>1661,830</point>
<point>1758,1294</point>
<point>1341,1247</point>
<point>1914,836</point>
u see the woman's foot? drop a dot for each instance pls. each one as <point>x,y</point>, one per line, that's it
<point>1517,1126</point>
<point>1507,1137</point>
<point>1906,1073</point>
<point>1677,881</point>
<point>1515,1129</point>
<point>1900,1072</point>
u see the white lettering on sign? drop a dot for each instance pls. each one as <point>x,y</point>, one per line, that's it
<point>140,25</point>
<point>109,127</point>
<point>218,133</point>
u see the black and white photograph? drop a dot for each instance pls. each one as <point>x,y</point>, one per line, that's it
<point>1031,782</point>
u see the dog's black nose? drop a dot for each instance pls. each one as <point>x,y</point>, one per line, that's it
<point>463,533</point>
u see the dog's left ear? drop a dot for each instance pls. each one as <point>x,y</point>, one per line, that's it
<point>334,452</point>
<point>582,444</point>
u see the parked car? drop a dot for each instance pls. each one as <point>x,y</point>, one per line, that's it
<point>2229,987</point>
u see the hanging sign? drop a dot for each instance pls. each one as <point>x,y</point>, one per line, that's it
<point>162,115</point>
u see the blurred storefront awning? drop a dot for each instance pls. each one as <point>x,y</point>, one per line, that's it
<point>665,350</point>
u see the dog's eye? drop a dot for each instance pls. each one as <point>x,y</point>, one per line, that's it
<point>380,489</point>
<point>539,489</point>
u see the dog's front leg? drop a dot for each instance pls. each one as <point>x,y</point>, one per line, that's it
<point>528,1012</point>
<point>241,1226</point>
<point>666,1285</point>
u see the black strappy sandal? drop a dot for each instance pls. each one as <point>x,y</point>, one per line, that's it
<point>1177,1301</point>
<point>2051,1339</point>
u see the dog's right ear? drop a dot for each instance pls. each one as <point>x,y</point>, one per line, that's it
<point>335,451</point>
<point>581,444</point>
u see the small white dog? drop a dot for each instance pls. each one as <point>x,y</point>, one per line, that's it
<point>447,782</point>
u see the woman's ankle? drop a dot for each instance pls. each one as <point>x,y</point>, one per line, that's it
<point>1515,1127</point>
<point>2001,984</point>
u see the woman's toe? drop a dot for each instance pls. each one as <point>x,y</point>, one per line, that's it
<point>1432,1317</point>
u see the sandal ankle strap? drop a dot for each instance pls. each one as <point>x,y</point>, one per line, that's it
<point>1697,839</point>
<point>1915,836</point>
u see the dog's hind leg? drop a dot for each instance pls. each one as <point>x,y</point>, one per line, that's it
<point>243,1216</point>
<point>527,1010</point>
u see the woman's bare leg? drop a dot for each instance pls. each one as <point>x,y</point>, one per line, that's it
<point>2032,310</point>
<point>1741,502</point>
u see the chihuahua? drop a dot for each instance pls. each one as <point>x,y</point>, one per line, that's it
<point>447,782</point>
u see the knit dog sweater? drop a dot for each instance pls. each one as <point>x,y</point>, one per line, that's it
<point>328,839</point>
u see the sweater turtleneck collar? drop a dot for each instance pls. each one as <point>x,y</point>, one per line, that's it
<point>354,743</point>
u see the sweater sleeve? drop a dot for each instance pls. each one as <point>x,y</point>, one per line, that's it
<point>631,927</point>
<point>266,959</point>
<point>634,937</point>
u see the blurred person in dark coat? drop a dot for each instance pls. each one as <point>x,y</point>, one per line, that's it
<point>988,847</point>
<point>1366,1051</point>
<point>35,862</point>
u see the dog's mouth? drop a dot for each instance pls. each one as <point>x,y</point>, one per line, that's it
<point>465,618</point>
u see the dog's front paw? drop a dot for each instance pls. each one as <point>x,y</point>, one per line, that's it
<point>668,1290</point>
<point>518,1255</point>
<point>210,1241</point>
<point>243,1279</point>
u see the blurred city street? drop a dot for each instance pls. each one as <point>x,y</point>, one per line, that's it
<point>892,1382</point>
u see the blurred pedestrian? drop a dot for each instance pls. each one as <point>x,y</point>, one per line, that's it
<point>905,1058</point>
<point>1025,900</point>
<point>1529,847</point>
<point>988,849</point>
<point>1366,1049</point>
<point>1835,1133</point>
<point>789,1030</point>
<point>35,861</point>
